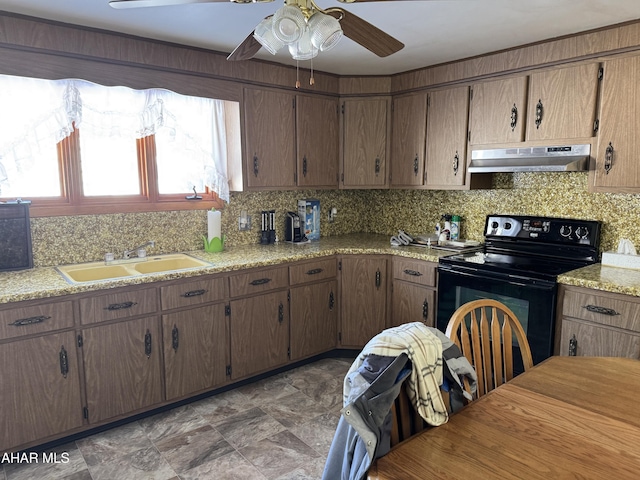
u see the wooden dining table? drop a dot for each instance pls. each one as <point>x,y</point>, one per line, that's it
<point>568,417</point>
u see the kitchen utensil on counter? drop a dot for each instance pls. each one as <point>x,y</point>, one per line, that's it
<point>268,227</point>
<point>294,229</point>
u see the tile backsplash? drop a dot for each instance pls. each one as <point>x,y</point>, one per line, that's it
<point>60,240</point>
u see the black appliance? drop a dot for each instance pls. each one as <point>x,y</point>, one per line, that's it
<point>15,236</point>
<point>294,228</point>
<point>519,266</point>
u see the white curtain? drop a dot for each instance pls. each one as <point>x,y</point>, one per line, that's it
<point>36,114</point>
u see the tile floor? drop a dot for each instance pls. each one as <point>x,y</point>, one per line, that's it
<point>278,428</point>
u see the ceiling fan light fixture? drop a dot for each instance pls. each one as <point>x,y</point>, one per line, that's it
<point>325,31</point>
<point>263,33</point>
<point>288,24</point>
<point>303,49</point>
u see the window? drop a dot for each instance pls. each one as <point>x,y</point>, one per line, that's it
<point>73,146</point>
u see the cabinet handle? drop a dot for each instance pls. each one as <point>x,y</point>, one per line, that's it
<point>259,281</point>
<point>314,271</point>
<point>413,273</point>
<point>280,313</point>
<point>415,165</point>
<point>378,279</point>
<point>175,338</point>
<point>194,293</point>
<point>255,165</point>
<point>120,306</point>
<point>425,309</point>
<point>147,344</point>
<point>608,158</point>
<point>456,163</point>
<point>539,113</point>
<point>377,169</point>
<point>64,362</point>
<point>573,346</point>
<point>304,166</point>
<point>514,117</point>
<point>601,310</point>
<point>29,321</point>
<point>331,301</point>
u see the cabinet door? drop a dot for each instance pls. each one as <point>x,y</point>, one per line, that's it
<point>447,122</point>
<point>365,143</point>
<point>592,340</point>
<point>562,103</point>
<point>412,303</point>
<point>409,129</point>
<point>314,315</point>
<point>318,141</point>
<point>617,166</point>
<point>195,350</point>
<point>259,333</point>
<point>122,365</point>
<point>40,392</point>
<point>498,111</point>
<point>269,122</point>
<point>364,299</point>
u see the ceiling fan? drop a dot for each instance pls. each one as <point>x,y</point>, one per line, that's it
<point>301,25</point>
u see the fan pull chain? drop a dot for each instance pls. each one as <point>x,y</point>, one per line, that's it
<point>297,74</point>
<point>311,79</point>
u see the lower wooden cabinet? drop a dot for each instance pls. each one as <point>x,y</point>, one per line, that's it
<point>40,389</point>
<point>364,298</point>
<point>314,314</point>
<point>123,367</point>
<point>195,350</point>
<point>596,323</point>
<point>259,328</point>
<point>412,303</point>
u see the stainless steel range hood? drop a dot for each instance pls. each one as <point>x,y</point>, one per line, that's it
<point>558,158</point>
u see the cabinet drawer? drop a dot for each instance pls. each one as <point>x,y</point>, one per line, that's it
<point>313,271</point>
<point>591,340</point>
<point>118,305</point>
<point>613,310</point>
<point>415,271</point>
<point>26,320</point>
<point>192,293</point>
<point>258,281</point>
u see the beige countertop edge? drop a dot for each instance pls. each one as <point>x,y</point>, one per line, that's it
<point>47,282</point>
<point>607,279</point>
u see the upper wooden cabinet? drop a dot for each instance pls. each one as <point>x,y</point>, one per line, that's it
<point>498,111</point>
<point>409,129</point>
<point>617,168</point>
<point>364,142</point>
<point>562,103</point>
<point>317,126</point>
<point>447,122</point>
<point>269,120</point>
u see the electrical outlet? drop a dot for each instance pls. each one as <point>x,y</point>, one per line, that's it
<point>244,222</point>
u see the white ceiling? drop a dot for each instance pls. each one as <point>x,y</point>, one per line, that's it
<point>433,31</point>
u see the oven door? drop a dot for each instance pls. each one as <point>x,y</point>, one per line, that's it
<point>533,302</point>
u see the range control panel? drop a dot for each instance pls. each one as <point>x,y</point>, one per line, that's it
<point>543,229</point>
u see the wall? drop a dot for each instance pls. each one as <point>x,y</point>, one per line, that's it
<point>59,240</point>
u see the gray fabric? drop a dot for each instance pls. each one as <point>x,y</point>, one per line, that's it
<point>363,432</point>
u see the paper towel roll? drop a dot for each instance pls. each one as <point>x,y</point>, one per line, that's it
<point>214,221</point>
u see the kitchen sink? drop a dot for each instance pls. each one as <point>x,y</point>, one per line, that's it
<point>94,271</point>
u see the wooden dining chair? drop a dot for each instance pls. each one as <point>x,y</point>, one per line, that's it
<point>474,327</point>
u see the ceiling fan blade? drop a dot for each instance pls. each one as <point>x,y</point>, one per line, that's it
<point>367,35</point>
<point>155,3</point>
<point>246,50</point>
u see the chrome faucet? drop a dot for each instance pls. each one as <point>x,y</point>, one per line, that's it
<point>127,253</point>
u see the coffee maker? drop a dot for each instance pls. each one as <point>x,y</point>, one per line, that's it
<point>294,228</point>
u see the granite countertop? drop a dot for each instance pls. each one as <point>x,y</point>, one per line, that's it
<point>46,282</point>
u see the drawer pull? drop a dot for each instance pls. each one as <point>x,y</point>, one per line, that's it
<point>413,273</point>
<point>331,301</point>
<point>64,362</point>
<point>260,281</point>
<point>314,271</point>
<point>147,344</point>
<point>573,346</point>
<point>378,279</point>
<point>280,313</point>
<point>602,310</point>
<point>120,306</point>
<point>425,309</point>
<point>29,321</point>
<point>194,293</point>
<point>175,338</point>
